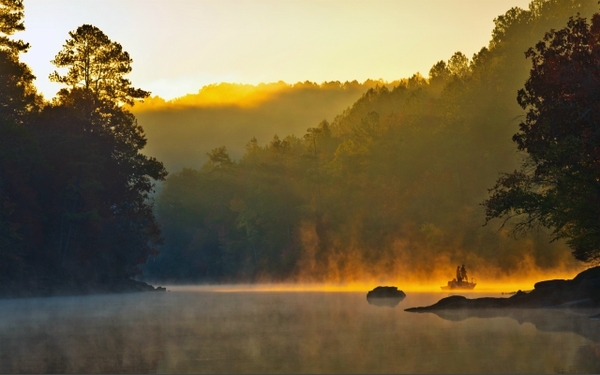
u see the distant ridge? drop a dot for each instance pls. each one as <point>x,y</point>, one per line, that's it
<point>181,131</point>
<point>226,94</point>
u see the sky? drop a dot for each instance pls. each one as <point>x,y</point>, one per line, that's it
<point>178,46</point>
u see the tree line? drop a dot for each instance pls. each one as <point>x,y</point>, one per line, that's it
<point>74,186</point>
<point>180,131</point>
<point>395,184</point>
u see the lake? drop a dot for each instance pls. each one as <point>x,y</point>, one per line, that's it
<point>212,330</point>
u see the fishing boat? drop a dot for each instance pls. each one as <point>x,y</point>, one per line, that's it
<point>461,281</point>
<point>464,285</point>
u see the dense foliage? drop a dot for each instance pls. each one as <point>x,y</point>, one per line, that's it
<point>558,184</point>
<point>74,187</point>
<point>390,187</point>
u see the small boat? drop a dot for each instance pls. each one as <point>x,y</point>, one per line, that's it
<point>465,285</point>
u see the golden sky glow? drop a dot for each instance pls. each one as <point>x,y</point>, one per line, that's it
<point>222,94</point>
<point>178,46</point>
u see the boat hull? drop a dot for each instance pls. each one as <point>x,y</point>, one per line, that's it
<point>459,286</point>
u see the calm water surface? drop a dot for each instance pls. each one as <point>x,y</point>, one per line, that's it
<point>203,331</point>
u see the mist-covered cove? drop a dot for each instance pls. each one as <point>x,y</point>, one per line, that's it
<point>324,190</point>
<point>212,330</point>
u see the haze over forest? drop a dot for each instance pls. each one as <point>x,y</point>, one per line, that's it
<point>182,130</point>
<point>329,187</point>
<point>335,182</point>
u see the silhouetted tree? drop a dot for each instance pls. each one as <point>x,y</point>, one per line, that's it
<point>458,65</point>
<point>103,217</point>
<point>219,158</point>
<point>11,21</point>
<point>20,215</point>
<point>17,94</point>
<point>558,185</point>
<point>96,63</point>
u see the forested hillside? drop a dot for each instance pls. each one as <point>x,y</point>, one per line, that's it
<point>391,187</point>
<point>180,131</point>
<point>336,182</point>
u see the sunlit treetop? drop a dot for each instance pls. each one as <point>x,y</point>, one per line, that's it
<point>11,21</point>
<point>98,65</point>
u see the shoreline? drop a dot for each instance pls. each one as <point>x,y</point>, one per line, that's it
<point>583,291</point>
<point>61,288</point>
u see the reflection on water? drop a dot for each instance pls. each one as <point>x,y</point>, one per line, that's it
<point>203,331</point>
<point>549,320</point>
<point>389,302</point>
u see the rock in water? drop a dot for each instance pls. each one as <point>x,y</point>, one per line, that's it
<point>385,296</point>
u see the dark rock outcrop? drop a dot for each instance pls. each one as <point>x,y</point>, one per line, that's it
<point>385,296</point>
<point>581,291</point>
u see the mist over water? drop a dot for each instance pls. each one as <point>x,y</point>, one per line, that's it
<point>204,330</point>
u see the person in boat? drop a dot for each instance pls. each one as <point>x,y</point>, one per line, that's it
<point>463,273</point>
<point>458,275</point>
